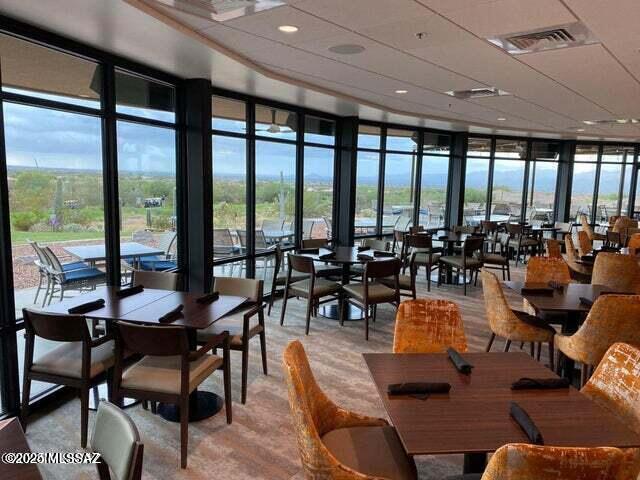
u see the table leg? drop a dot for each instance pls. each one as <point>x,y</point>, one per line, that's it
<point>474,463</point>
<point>349,312</point>
<point>569,328</point>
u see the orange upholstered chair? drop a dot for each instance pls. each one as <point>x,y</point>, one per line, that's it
<point>554,249</point>
<point>532,462</point>
<point>579,272</point>
<point>512,325</point>
<point>585,244</point>
<point>428,326</point>
<point>612,318</point>
<point>619,272</point>
<point>336,444</point>
<point>634,244</point>
<point>547,269</point>
<point>586,226</point>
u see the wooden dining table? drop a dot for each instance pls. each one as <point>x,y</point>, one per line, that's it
<point>146,308</point>
<point>12,440</point>
<point>473,418</point>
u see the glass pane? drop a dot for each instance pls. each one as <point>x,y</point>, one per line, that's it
<point>511,148</point>
<point>508,179</point>
<point>586,153</point>
<point>54,162</point>
<point>144,98</point>
<point>617,153</point>
<point>475,190</point>
<point>433,190</point>
<point>542,189</point>
<point>147,190</point>
<point>275,123</point>
<point>319,130</point>
<point>402,140</point>
<point>399,181</point>
<point>611,182</point>
<point>318,191</point>
<point>545,151</point>
<point>275,194</point>
<point>436,143</point>
<point>368,137</point>
<point>40,72</point>
<point>238,269</point>
<point>582,186</point>
<point>229,196</point>
<point>626,190</point>
<point>479,147</point>
<point>367,174</point>
<point>228,115</point>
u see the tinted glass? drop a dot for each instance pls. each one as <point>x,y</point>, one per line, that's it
<point>368,137</point>
<point>399,182</point>
<point>144,98</point>
<point>402,140</point>
<point>510,149</point>
<point>367,174</point>
<point>436,143</point>
<point>318,191</point>
<point>319,130</point>
<point>479,147</point>
<point>228,115</point>
<point>433,193</point>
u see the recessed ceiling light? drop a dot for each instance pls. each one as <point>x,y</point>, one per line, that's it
<point>588,122</point>
<point>347,49</point>
<point>288,28</point>
<point>401,91</point>
<point>501,119</point>
<point>579,129</point>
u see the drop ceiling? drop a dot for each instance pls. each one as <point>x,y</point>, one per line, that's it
<point>552,92</point>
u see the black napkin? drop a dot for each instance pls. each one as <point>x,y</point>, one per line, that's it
<point>459,362</point>
<point>526,383</point>
<point>208,298</point>
<point>586,301</point>
<point>87,307</point>
<point>362,248</point>
<point>443,237</point>
<point>127,292</point>
<point>327,256</point>
<point>536,291</point>
<point>588,258</point>
<point>312,251</point>
<point>525,422</point>
<point>608,248</point>
<point>382,253</point>
<point>364,256</point>
<point>171,315</point>
<point>419,390</point>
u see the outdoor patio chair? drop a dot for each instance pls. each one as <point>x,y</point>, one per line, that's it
<point>167,261</point>
<point>223,244</point>
<point>307,228</point>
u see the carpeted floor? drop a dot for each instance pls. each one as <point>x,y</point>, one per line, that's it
<point>260,443</point>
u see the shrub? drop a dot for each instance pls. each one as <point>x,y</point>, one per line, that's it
<point>23,221</point>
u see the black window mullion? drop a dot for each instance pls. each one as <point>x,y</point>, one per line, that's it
<point>633,182</point>
<point>381,173</point>
<point>299,180</point>
<point>525,183</point>
<point>596,187</point>
<point>492,158</point>
<point>418,178</point>
<point>250,210</point>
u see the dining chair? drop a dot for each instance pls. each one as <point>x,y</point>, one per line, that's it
<point>168,372</point>
<point>490,230</point>
<point>223,244</point>
<point>42,263</point>
<point>614,239</point>
<point>322,269</point>
<point>579,272</point>
<point>586,226</point>
<point>307,228</point>
<point>585,245</point>
<point>273,225</point>
<point>547,269</point>
<point>615,271</point>
<point>553,247</point>
<point>422,253</point>
<point>279,278</point>
<point>157,280</point>
<point>79,361</point>
<point>372,293</point>
<point>242,324</point>
<point>612,318</point>
<point>634,244</point>
<point>116,438</point>
<point>397,244</point>
<point>525,461</point>
<point>357,270</point>
<point>314,289</point>
<point>335,443</point>
<point>166,261</point>
<point>497,260</point>
<point>520,242</point>
<point>468,260</point>
<point>428,326</point>
<point>513,325</point>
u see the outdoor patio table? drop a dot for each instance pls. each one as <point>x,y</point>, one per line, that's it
<point>276,236</point>
<point>97,253</point>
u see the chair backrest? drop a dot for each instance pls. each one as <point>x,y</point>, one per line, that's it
<point>585,244</point>
<point>619,272</point>
<point>164,340</point>
<point>572,258</point>
<point>615,384</point>
<point>547,269</point>
<point>428,326</point>
<point>416,229</point>
<point>623,223</point>
<point>314,242</point>
<point>468,229</point>
<point>634,244</point>
<point>116,438</point>
<point>471,245</point>
<point>42,257</point>
<point>553,248</point>
<point>158,280</point>
<point>524,461</point>
<point>56,327</point>
<point>487,226</point>
<point>261,240</point>
<point>167,241</point>
<point>612,318</point>
<point>614,238</point>
<point>53,261</point>
<point>242,238</point>
<point>301,263</point>
<point>421,241</point>
<point>307,228</point>
<point>376,244</point>
<point>242,287</point>
<point>586,226</point>
<point>514,229</point>
<point>382,268</point>
<point>272,225</point>
<point>222,237</point>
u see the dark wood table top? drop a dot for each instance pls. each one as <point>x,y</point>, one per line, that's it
<point>92,253</point>
<point>12,440</point>
<point>451,237</point>
<point>474,416</point>
<point>150,304</point>
<point>345,256</point>
<point>565,300</point>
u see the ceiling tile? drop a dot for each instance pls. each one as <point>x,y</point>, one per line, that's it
<point>402,34</point>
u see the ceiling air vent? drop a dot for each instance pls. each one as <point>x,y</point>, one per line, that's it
<point>220,10</point>
<point>477,93</point>
<point>561,36</point>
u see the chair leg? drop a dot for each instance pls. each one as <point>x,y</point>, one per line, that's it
<point>226,378</point>
<point>270,303</point>
<point>308,319</point>
<point>584,374</point>
<point>284,307</point>
<point>263,350</point>
<point>539,351</point>
<point>84,415</point>
<point>551,355</point>
<point>464,280</point>
<point>491,339</point>
<point>245,368</point>
<point>154,407</point>
<point>532,350</point>
<point>24,407</point>
<point>428,280</point>
<point>366,321</point>
<point>507,345</point>
<point>508,271</point>
<point>184,429</point>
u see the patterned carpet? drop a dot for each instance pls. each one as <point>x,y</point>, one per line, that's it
<point>260,443</point>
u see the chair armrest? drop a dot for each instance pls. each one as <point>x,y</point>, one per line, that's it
<point>221,339</point>
<point>253,310</point>
<point>346,419</point>
<point>99,341</point>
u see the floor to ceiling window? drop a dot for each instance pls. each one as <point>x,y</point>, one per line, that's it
<point>614,182</point>
<point>543,174</point>
<point>367,180</point>
<point>436,150</point>
<point>583,182</point>
<point>399,179</point>
<point>476,180</point>
<point>508,180</point>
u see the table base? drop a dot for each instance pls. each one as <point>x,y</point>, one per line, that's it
<point>201,405</point>
<point>474,463</point>
<point>100,393</point>
<point>332,312</point>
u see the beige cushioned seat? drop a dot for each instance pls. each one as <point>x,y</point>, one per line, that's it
<point>233,325</point>
<point>281,279</point>
<point>525,242</point>
<point>162,374</point>
<point>494,259</point>
<point>423,258</point>
<point>66,360</point>
<point>321,287</point>
<point>374,451</point>
<point>377,292</point>
<point>458,261</point>
<point>404,282</point>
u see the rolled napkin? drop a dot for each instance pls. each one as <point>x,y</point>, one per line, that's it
<point>87,307</point>
<point>171,315</point>
<point>526,383</point>
<point>586,301</point>
<point>458,361</point>
<point>365,257</point>
<point>127,292</point>
<point>208,298</point>
<point>382,253</point>
<point>536,291</point>
<point>327,256</point>
<point>525,422</point>
<point>417,388</point>
<point>362,248</point>
<point>312,251</point>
